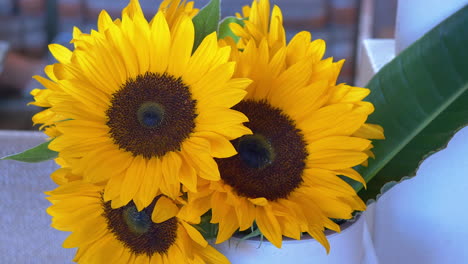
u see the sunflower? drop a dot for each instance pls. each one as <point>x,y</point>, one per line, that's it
<point>125,235</point>
<point>258,25</point>
<point>137,111</point>
<point>172,10</point>
<point>46,118</point>
<point>307,131</point>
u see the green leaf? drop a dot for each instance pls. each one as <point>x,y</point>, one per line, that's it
<point>420,99</point>
<point>38,153</point>
<point>225,30</point>
<point>206,21</point>
<point>255,233</point>
<point>207,229</point>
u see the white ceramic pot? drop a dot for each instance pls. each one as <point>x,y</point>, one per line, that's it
<point>423,219</point>
<point>352,246</point>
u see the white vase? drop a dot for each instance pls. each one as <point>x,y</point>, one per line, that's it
<point>352,246</point>
<point>423,219</point>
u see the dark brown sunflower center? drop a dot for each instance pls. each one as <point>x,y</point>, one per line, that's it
<point>137,231</point>
<point>151,115</point>
<point>270,162</point>
<point>255,151</point>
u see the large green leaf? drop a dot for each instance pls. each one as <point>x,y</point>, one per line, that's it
<point>421,100</point>
<point>206,21</point>
<point>38,153</point>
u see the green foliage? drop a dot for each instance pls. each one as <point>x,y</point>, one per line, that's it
<point>38,153</point>
<point>420,99</point>
<point>207,229</point>
<point>255,232</point>
<point>206,21</point>
<point>225,30</point>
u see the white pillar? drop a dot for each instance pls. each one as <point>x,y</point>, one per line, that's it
<point>417,17</point>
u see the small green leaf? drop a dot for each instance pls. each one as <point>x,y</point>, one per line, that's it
<point>38,153</point>
<point>225,30</point>
<point>207,229</point>
<point>206,22</point>
<point>420,99</point>
<point>255,233</point>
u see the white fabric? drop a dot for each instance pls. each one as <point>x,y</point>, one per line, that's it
<point>25,233</point>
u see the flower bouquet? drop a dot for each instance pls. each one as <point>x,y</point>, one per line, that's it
<point>181,129</point>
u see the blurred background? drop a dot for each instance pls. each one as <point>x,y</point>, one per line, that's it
<point>28,26</point>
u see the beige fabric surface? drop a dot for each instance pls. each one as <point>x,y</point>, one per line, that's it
<point>25,232</point>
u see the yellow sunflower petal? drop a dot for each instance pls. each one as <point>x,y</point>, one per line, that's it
<point>342,159</point>
<point>104,22</point>
<point>212,256</point>
<point>290,228</point>
<point>195,235</point>
<point>142,259</point>
<point>204,163</point>
<point>152,181</point>
<point>259,201</point>
<point>112,163</point>
<point>188,176</point>
<point>195,209</point>
<point>227,227</point>
<point>202,58</point>
<point>340,142</point>
<point>171,165</point>
<point>181,48</point>
<point>370,131</point>
<point>268,225</point>
<point>82,236</point>
<point>352,174</point>
<point>245,214</point>
<point>320,237</point>
<point>160,36</point>
<point>220,147</point>
<point>132,180</point>
<point>133,9</point>
<point>61,53</point>
<point>113,187</point>
<point>109,251</point>
<point>164,209</point>
<point>156,259</point>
